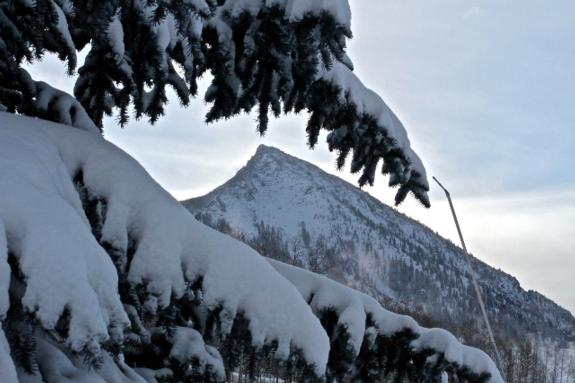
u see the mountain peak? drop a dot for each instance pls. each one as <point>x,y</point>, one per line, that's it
<point>262,149</point>
<point>271,162</point>
<point>373,247</point>
<point>265,150</point>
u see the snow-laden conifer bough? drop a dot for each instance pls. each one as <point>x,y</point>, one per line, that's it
<point>276,55</point>
<point>102,267</point>
<point>104,277</point>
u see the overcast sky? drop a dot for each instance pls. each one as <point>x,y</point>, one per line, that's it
<point>486,90</point>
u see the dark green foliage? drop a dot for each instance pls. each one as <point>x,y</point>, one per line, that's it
<point>154,332</point>
<point>392,359</point>
<point>19,330</point>
<point>387,358</point>
<point>257,59</point>
<point>341,356</point>
<point>26,34</point>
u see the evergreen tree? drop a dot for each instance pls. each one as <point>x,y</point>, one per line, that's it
<point>276,56</point>
<point>265,55</point>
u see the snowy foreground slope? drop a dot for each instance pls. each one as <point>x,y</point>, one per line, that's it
<point>90,245</point>
<point>297,213</point>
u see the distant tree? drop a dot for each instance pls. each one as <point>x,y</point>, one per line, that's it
<point>270,242</point>
<point>320,256</point>
<point>223,226</point>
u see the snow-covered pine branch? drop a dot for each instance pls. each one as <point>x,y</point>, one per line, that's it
<point>46,102</point>
<point>137,265</point>
<point>359,121</point>
<point>369,342</point>
<point>107,272</point>
<point>276,56</point>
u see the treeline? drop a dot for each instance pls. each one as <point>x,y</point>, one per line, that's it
<point>314,254</point>
<point>531,362</point>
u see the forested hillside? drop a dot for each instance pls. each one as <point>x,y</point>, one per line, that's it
<point>293,211</point>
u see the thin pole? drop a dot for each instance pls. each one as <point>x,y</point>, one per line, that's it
<point>473,278</point>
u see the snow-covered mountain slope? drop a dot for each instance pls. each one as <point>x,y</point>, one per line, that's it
<point>318,221</point>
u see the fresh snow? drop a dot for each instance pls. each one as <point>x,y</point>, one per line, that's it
<point>4,273</point>
<point>59,366</point>
<point>63,29</point>
<point>188,344</point>
<point>70,111</point>
<point>370,103</point>
<point>353,307</point>
<point>66,270</point>
<point>116,38</point>
<point>295,10</point>
<point>47,228</point>
<point>7,368</point>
